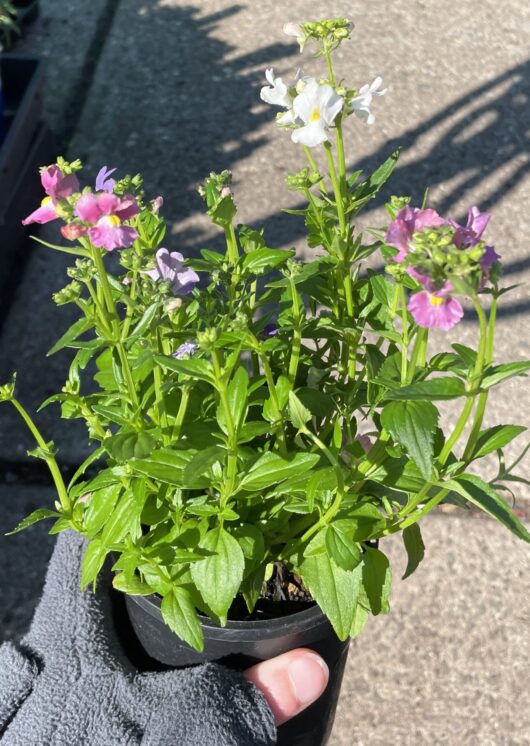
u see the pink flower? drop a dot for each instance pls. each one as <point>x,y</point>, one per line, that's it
<point>73,231</point>
<point>43,214</point>
<point>436,309</point>
<point>157,204</point>
<point>170,266</point>
<point>58,185</point>
<point>410,220</point>
<point>105,212</point>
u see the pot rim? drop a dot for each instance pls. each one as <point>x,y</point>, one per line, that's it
<point>299,621</point>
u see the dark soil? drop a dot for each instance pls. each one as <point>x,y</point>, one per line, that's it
<point>283,594</point>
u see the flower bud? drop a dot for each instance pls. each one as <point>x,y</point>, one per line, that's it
<point>72,231</point>
<point>7,391</point>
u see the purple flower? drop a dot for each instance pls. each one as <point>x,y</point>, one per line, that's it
<point>170,266</point>
<point>436,309</point>
<point>110,234</point>
<point>187,349</point>
<point>410,220</point>
<point>470,235</point>
<point>103,183</point>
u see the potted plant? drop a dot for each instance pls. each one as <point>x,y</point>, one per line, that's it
<point>261,423</point>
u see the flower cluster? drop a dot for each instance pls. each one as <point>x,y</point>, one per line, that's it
<point>444,257</point>
<point>312,106</point>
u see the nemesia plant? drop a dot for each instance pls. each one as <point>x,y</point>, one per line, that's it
<point>251,413</point>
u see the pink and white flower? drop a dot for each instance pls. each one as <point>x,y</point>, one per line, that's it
<point>106,213</point>
<point>57,185</point>
<point>436,309</point>
<point>43,214</point>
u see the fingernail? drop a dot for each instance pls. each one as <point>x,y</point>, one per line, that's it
<point>309,676</point>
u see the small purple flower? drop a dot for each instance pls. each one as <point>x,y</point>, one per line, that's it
<point>170,266</point>
<point>470,235</point>
<point>58,185</point>
<point>436,309</point>
<point>271,330</point>
<point>157,204</point>
<point>410,220</point>
<point>103,183</point>
<point>187,349</point>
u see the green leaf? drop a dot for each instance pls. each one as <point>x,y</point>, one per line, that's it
<point>144,324</point>
<point>37,515</point>
<point>218,577</point>
<point>335,590</point>
<point>124,520</point>
<point>436,389</point>
<point>480,493</point>
<point>195,368</point>
<point>366,522</point>
<point>237,395</point>
<point>262,259</point>
<point>195,474</point>
<point>81,325</point>
<point>377,579</point>
<point>271,469</point>
<point>100,505</point>
<point>165,465</point>
<point>125,446</point>
<point>132,585</point>
<point>496,437</point>
<point>343,550</point>
<point>414,546</point>
<point>251,430</point>
<point>499,373</point>
<point>298,414</point>
<point>94,456</point>
<point>93,561</point>
<point>360,618</point>
<point>180,616</point>
<point>413,424</point>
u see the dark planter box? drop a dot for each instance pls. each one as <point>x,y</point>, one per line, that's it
<point>26,146</point>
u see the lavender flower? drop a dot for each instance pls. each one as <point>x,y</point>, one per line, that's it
<point>103,183</point>
<point>187,349</point>
<point>170,266</point>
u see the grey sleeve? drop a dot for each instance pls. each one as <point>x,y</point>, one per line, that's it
<point>70,681</point>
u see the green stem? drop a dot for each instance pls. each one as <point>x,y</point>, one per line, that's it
<point>477,372</point>
<point>274,401</point>
<point>183,406</point>
<point>231,243</point>
<point>232,433</point>
<point>129,314</point>
<point>336,189</point>
<point>297,335</point>
<point>418,514</point>
<point>417,358</point>
<point>49,458</point>
<point>404,335</point>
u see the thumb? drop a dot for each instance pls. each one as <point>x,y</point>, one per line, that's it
<point>290,682</point>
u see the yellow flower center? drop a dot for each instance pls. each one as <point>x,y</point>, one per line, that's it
<point>46,201</point>
<point>435,300</point>
<point>113,220</point>
<point>315,115</point>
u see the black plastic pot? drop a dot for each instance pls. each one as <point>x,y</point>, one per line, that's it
<point>240,644</point>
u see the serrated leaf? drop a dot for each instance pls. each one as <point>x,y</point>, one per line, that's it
<point>195,474</point>
<point>218,577</point>
<point>166,465</point>
<point>496,437</point>
<point>298,414</point>
<point>415,548</point>
<point>37,515</point>
<point>435,389</point>
<point>180,615</point>
<point>413,424</point>
<point>377,580</point>
<point>195,368</point>
<point>100,505</point>
<point>259,260</point>
<point>125,446</point>
<point>237,395</point>
<point>93,560</point>
<point>335,590</point>
<point>360,618</point>
<point>81,325</point>
<point>480,493</point>
<point>500,373</point>
<point>342,549</point>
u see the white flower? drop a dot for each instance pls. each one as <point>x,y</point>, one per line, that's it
<point>317,106</point>
<point>294,29</point>
<point>279,94</point>
<point>360,104</point>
